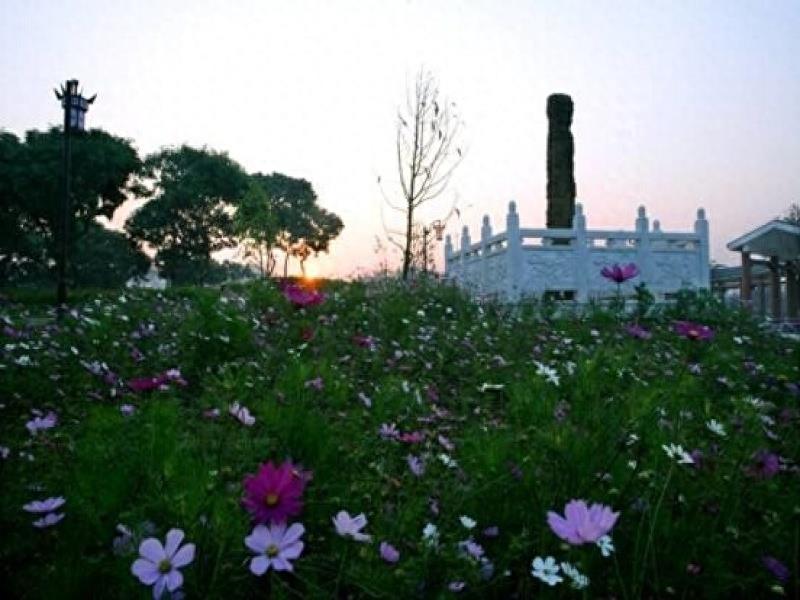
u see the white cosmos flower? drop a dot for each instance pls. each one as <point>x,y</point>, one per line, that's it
<point>579,580</point>
<point>606,545</point>
<point>467,522</point>
<point>546,570</point>
<point>715,426</point>
<point>158,565</point>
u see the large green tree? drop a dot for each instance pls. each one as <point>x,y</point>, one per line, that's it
<point>193,194</point>
<point>104,169</point>
<point>302,227</point>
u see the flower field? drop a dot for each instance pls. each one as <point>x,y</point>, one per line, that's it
<point>388,441</point>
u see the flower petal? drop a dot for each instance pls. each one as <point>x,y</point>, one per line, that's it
<point>281,564</point>
<point>174,580</point>
<point>174,538</point>
<point>183,556</point>
<point>146,571</point>
<point>294,533</point>
<point>292,551</point>
<point>259,565</point>
<point>152,550</point>
<point>158,588</point>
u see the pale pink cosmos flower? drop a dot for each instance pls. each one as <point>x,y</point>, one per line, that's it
<point>158,565</point>
<point>39,423</point>
<point>274,546</point>
<point>347,526</point>
<point>582,524</point>
<point>389,553</point>
<point>48,520</point>
<point>44,506</point>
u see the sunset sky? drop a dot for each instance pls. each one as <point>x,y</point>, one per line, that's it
<point>677,104</point>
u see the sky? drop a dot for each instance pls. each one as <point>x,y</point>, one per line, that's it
<point>678,104</point>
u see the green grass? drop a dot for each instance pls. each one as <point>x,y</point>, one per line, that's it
<point>522,447</point>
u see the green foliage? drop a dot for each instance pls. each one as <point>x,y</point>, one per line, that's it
<point>104,169</point>
<point>520,410</point>
<point>194,192</point>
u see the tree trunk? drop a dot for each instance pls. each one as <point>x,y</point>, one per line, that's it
<point>409,235</point>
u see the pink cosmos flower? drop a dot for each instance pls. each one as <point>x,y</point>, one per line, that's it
<point>619,274</point>
<point>693,331</point>
<point>365,341</point>
<point>765,465</point>
<point>274,546</point>
<point>637,331</point>
<point>779,570</point>
<point>347,526</point>
<point>388,431</point>
<point>582,524</point>
<point>317,383</point>
<point>159,382</point>
<point>158,565</point>
<point>302,298</point>
<point>389,553</point>
<point>411,437</point>
<point>274,493</point>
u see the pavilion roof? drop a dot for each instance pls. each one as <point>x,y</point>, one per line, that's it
<point>779,239</point>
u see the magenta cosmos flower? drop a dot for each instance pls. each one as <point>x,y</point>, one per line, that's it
<point>637,331</point>
<point>274,546</point>
<point>620,273</point>
<point>274,493</point>
<point>158,565</point>
<point>581,524</point>
<point>301,297</point>
<point>693,331</point>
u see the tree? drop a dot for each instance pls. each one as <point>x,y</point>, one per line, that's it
<point>303,227</point>
<point>793,214</point>
<point>105,258</point>
<point>427,154</point>
<point>256,225</point>
<point>103,177</point>
<point>189,216</point>
<point>320,228</point>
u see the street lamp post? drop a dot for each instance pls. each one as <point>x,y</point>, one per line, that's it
<point>75,107</point>
<point>438,228</point>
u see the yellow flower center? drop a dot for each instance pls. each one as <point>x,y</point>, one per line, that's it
<point>271,499</point>
<point>164,566</point>
<point>271,551</point>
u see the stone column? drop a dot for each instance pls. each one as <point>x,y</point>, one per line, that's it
<point>581,255</point>
<point>792,291</point>
<point>560,165</point>
<point>514,254</point>
<point>704,263</point>
<point>761,286</point>
<point>775,289</point>
<point>745,293</point>
<point>448,252</point>
<point>486,233</point>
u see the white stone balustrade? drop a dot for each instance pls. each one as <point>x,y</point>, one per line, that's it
<point>531,262</point>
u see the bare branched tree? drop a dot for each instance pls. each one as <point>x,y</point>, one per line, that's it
<point>427,155</point>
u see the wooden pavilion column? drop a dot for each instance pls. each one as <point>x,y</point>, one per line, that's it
<point>775,288</point>
<point>747,283</point>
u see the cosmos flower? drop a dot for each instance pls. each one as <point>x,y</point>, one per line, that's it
<point>388,431</point>
<point>716,427</point>
<point>579,581</point>
<point>693,331</point>
<point>158,565</point>
<point>242,413</point>
<point>467,522</point>
<point>546,570</point>
<point>606,546</point>
<point>44,506</point>
<point>637,331</point>
<point>416,465</point>
<point>765,465</point>
<point>40,423</point>
<point>430,534</point>
<point>302,298</point>
<point>48,520</point>
<point>274,493</point>
<point>389,553</point>
<point>779,570</point>
<point>347,526</point>
<point>582,523</point>
<point>274,546</point>
<point>677,451</point>
<point>620,273</point>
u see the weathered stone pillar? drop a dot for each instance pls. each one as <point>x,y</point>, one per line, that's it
<point>775,289</point>
<point>792,291</point>
<point>761,286</point>
<point>560,165</point>
<point>744,295</point>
